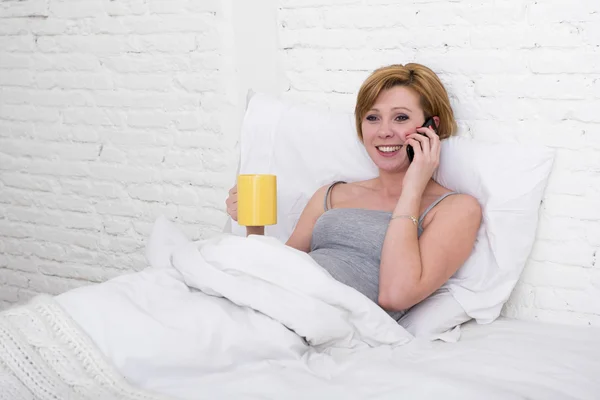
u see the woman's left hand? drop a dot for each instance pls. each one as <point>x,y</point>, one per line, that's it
<point>425,162</point>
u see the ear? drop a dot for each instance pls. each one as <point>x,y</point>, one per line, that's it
<point>436,119</point>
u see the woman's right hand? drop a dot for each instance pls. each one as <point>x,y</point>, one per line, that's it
<point>231,202</point>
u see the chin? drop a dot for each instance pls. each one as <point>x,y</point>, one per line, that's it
<point>392,165</point>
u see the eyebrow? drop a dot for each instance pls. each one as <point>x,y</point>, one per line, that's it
<point>394,108</point>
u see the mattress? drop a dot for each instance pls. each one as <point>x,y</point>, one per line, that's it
<point>160,335</point>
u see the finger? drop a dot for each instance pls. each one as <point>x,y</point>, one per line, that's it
<point>416,145</point>
<point>423,140</point>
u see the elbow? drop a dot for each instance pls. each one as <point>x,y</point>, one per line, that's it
<point>394,300</point>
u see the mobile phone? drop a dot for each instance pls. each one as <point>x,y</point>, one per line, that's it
<point>429,123</point>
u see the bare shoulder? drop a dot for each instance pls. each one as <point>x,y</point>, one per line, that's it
<point>350,191</point>
<point>461,205</point>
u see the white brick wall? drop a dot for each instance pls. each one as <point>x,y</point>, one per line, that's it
<point>518,71</point>
<point>113,112</point>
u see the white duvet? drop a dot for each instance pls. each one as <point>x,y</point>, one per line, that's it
<point>250,318</point>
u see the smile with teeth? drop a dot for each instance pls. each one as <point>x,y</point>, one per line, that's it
<point>388,149</point>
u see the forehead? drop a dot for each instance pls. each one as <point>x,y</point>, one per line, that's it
<point>398,96</point>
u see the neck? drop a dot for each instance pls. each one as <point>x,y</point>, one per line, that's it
<point>391,183</point>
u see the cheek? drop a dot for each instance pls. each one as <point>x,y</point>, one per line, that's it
<point>368,130</point>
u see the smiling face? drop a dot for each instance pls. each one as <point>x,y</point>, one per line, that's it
<point>395,114</point>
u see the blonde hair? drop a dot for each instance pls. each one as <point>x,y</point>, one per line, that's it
<point>434,98</point>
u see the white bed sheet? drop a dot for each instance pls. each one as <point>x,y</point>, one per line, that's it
<point>166,337</point>
<point>151,327</point>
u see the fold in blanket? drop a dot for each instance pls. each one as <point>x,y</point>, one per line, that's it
<point>289,286</point>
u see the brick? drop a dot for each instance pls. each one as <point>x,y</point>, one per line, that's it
<point>560,61</point>
<point>147,100</point>
<point>584,301</point>
<point>580,183</point>
<point>68,63</point>
<point>65,151</point>
<point>26,295</point>
<point>63,270</point>
<point>555,228</point>
<point>145,156</point>
<point>158,83</point>
<point>124,8</point>
<point>33,26</point>
<point>117,207</point>
<point>30,9</point>
<point>27,198</point>
<point>10,77</point>
<point>116,173</point>
<point>99,44</point>
<point>294,4</point>
<point>123,244</point>
<point>25,96</point>
<point>76,9</point>
<point>160,62</point>
<point>92,188</point>
<point>131,137</point>
<point>68,237</point>
<point>94,116</point>
<point>583,159</point>
<point>58,168</point>
<point>547,274</point>
<point>525,37</point>
<point>70,80</point>
<point>146,192</point>
<point>25,181</point>
<point>553,316</point>
<point>555,11</point>
<point>181,43</point>
<point>53,285</point>
<point>10,229</point>
<point>39,250</point>
<point>182,6</point>
<point>14,61</point>
<point>9,293</point>
<point>538,86</point>
<point>22,264</point>
<point>13,278</point>
<point>329,81</point>
<point>564,252</point>
<point>147,119</point>
<point>590,32</point>
<point>166,23</point>
<point>29,113</point>
<point>117,225</point>
<point>201,82</point>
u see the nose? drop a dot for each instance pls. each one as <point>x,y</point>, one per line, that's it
<point>385,131</point>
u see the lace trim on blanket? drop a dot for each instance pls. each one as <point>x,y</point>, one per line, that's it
<point>45,355</point>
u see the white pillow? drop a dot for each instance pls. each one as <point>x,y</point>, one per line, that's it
<point>307,148</point>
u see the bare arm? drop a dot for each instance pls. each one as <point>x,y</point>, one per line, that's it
<point>302,234</point>
<point>412,268</point>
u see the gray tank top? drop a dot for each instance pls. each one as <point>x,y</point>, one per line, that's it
<point>347,242</point>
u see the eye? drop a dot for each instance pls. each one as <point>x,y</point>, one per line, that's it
<point>401,117</point>
<point>371,118</point>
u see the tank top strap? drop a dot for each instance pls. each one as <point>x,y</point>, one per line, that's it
<point>435,203</point>
<point>328,192</point>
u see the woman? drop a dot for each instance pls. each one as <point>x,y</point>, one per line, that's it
<point>399,237</point>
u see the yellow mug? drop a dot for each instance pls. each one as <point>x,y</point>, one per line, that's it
<point>257,199</point>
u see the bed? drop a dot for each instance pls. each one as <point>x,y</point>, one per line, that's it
<point>248,318</point>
